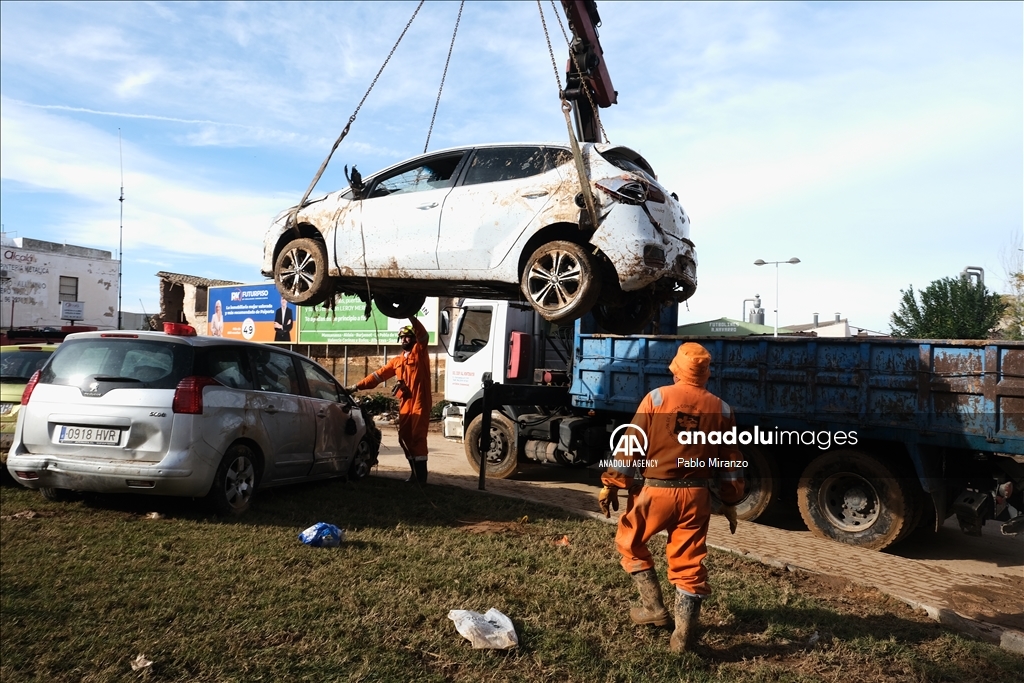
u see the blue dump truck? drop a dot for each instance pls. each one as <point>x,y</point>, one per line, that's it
<point>873,437</point>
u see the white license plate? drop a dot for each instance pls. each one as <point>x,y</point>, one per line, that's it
<point>89,435</point>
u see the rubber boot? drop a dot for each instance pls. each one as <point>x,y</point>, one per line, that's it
<point>687,614</point>
<point>652,608</point>
<point>421,471</point>
<point>413,476</point>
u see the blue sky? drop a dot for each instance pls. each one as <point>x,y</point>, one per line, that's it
<point>881,143</point>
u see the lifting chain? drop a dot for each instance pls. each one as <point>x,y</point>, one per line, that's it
<point>581,170</point>
<point>443,76</point>
<point>352,118</point>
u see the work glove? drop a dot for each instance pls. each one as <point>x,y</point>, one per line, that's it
<point>351,389</point>
<point>729,512</point>
<point>608,499</point>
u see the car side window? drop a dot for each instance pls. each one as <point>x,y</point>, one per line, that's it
<point>229,365</point>
<point>321,384</point>
<point>490,165</point>
<point>429,175</point>
<point>276,372</point>
<point>474,332</point>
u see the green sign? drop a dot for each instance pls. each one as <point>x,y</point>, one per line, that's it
<point>347,324</point>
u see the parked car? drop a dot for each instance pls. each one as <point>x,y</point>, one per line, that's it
<point>180,415</point>
<point>497,221</point>
<point>18,362</point>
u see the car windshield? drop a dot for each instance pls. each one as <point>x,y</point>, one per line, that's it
<point>18,366</point>
<point>150,363</point>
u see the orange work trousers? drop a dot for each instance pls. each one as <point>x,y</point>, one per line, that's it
<point>684,513</point>
<point>412,434</point>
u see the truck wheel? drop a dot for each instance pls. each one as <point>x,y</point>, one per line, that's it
<point>399,305</point>
<point>852,497</point>
<point>300,272</point>
<point>502,454</point>
<point>235,482</point>
<point>560,281</point>
<point>762,483</point>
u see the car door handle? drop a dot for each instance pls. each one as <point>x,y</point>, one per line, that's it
<point>431,205</point>
<point>270,409</point>
<point>535,195</point>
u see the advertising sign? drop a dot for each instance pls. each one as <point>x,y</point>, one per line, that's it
<point>72,310</point>
<point>251,312</point>
<point>347,324</point>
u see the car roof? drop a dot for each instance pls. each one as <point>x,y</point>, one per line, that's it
<point>198,341</point>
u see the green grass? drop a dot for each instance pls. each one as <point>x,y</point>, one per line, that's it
<point>85,587</point>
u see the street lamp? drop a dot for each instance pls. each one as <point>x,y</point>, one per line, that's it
<point>760,262</point>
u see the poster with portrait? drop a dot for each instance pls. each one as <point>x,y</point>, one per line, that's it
<point>251,312</point>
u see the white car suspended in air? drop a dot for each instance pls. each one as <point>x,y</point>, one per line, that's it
<point>502,221</point>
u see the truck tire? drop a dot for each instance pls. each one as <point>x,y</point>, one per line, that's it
<point>502,455</point>
<point>849,496</point>
<point>762,483</point>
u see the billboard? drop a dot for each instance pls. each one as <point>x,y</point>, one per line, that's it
<point>259,313</point>
<point>250,312</point>
<point>347,324</point>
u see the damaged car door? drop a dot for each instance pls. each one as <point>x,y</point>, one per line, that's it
<point>398,219</point>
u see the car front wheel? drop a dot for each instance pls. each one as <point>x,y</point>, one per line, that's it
<point>560,281</point>
<point>300,272</point>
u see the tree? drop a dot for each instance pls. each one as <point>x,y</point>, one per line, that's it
<point>950,308</point>
<point>1013,322</point>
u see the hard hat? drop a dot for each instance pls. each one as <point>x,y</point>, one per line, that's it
<point>406,331</point>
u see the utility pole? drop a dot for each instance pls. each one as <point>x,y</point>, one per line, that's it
<point>120,234</point>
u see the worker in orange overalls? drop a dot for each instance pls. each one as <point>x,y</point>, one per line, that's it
<point>674,492</point>
<point>412,368</point>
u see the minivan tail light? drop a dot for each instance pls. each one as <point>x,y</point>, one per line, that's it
<point>188,397</point>
<point>32,382</point>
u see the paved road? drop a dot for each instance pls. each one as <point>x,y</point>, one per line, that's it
<point>976,584</point>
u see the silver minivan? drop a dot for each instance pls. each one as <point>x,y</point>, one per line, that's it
<point>176,414</point>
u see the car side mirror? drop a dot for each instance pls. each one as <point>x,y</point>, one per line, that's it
<point>445,323</point>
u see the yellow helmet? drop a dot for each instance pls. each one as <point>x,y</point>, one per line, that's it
<point>406,331</point>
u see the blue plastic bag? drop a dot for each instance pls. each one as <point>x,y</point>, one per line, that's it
<point>323,535</point>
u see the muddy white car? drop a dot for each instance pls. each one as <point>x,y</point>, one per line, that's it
<point>494,221</point>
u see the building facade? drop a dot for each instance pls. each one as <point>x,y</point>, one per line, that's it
<point>37,276</point>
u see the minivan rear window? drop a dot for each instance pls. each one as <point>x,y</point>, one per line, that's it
<point>149,363</point>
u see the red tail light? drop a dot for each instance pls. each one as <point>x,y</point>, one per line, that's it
<point>32,382</point>
<point>188,397</point>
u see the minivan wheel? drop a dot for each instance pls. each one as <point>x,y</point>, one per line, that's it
<point>58,495</point>
<point>235,482</point>
<point>560,281</point>
<point>399,305</point>
<point>364,460</point>
<point>300,272</point>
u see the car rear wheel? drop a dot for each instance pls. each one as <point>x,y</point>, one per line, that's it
<point>235,482</point>
<point>58,495</point>
<point>630,315</point>
<point>560,281</point>
<point>399,305</point>
<point>300,272</point>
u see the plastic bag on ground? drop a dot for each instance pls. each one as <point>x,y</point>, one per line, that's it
<point>491,630</point>
<point>323,535</point>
